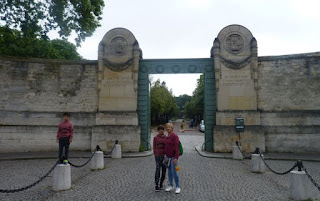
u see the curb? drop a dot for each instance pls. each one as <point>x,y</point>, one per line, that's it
<point>217,155</point>
<point>125,155</point>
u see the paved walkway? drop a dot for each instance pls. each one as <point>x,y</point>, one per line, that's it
<point>202,178</point>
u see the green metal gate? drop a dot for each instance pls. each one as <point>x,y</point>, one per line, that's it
<point>176,66</point>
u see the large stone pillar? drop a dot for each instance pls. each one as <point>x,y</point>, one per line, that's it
<point>236,63</point>
<point>117,119</point>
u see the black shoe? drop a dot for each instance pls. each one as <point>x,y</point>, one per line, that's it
<point>161,187</point>
<point>156,189</point>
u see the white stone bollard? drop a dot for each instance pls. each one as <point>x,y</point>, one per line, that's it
<point>116,153</point>
<point>97,161</point>
<point>299,185</point>
<point>257,165</point>
<point>236,153</point>
<point>61,177</point>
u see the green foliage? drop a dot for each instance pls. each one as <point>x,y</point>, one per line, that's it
<point>163,103</point>
<point>194,108</point>
<point>35,18</point>
<point>181,101</point>
<point>14,43</point>
<point>141,148</point>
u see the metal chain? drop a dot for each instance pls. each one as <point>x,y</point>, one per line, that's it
<point>112,148</point>
<point>278,173</point>
<point>311,179</point>
<point>97,148</point>
<point>31,185</point>
<point>244,156</point>
<point>79,166</point>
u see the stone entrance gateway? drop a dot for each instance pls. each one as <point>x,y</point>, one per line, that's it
<point>123,82</point>
<point>277,96</point>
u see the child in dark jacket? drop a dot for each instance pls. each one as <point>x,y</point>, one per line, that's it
<point>158,150</point>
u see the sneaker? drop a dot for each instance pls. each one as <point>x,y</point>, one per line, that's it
<point>65,162</point>
<point>169,188</point>
<point>156,189</point>
<point>178,190</point>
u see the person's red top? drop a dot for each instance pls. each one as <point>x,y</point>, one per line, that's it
<point>159,144</point>
<point>65,129</point>
<point>172,146</point>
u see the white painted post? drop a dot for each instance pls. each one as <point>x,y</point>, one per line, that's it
<point>299,185</point>
<point>116,153</point>
<point>61,177</point>
<point>97,161</point>
<point>236,153</point>
<point>257,165</point>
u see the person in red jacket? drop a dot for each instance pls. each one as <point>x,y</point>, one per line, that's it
<point>172,151</point>
<point>64,137</point>
<point>158,150</point>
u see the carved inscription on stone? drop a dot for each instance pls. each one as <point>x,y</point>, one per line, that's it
<point>235,82</point>
<point>234,43</point>
<point>117,82</point>
<point>239,79</point>
<point>118,46</point>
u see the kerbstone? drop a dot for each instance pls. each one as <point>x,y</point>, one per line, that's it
<point>116,153</point>
<point>61,177</point>
<point>236,153</point>
<point>257,165</point>
<point>97,161</point>
<point>299,185</point>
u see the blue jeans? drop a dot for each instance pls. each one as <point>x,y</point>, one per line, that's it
<point>172,173</point>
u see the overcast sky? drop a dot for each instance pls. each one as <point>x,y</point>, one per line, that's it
<point>187,28</point>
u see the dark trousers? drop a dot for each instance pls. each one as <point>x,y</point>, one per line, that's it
<point>64,143</point>
<point>162,168</point>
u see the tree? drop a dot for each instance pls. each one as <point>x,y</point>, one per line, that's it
<point>14,43</point>
<point>194,108</point>
<point>181,101</point>
<point>35,18</point>
<point>163,103</point>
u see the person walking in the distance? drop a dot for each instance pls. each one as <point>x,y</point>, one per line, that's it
<point>158,150</point>
<point>64,137</point>
<point>172,151</point>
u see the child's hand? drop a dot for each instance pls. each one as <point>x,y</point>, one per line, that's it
<point>57,140</point>
<point>175,161</point>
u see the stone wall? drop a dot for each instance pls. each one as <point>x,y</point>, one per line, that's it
<point>289,101</point>
<point>288,114</point>
<point>34,93</point>
<point>289,82</point>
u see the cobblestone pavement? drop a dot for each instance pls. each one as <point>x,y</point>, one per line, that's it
<point>133,179</point>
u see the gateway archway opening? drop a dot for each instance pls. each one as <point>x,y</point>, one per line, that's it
<point>148,67</point>
<point>179,99</point>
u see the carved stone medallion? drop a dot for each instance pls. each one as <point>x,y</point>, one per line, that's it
<point>160,69</point>
<point>192,68</point>
<point>175,68</point>
<point>118,46</point>
<point>144,69</point>
<point>234,43</point>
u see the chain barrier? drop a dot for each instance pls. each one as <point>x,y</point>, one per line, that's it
<point>116,142</point>
<point>31,185</point>
<point>97,149</point>
<point>278,173</point>
<point>311,179</point>
<point>79,166</point>
<point>47,174</point>
<point>244,156</point>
